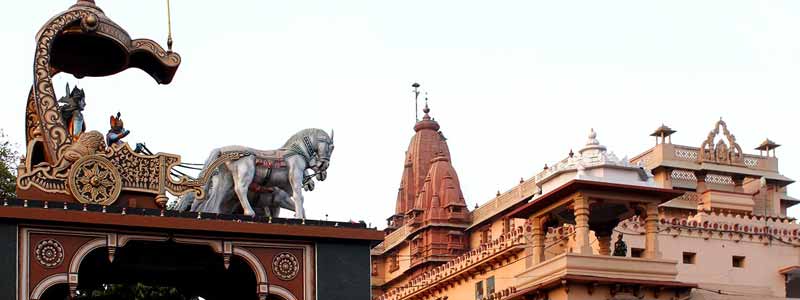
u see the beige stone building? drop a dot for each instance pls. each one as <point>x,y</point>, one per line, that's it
<point>705,222</point>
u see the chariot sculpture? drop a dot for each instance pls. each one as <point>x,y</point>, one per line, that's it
<point>64,162</point>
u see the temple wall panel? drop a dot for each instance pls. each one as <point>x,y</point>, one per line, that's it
<point>713,266</point>
<point>403,254</point>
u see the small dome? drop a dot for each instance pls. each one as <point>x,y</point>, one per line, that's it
<point>592,145</point>
<point>427,122</point>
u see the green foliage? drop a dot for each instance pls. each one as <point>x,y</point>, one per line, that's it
<point>136,291</point>
<point>8,172</point>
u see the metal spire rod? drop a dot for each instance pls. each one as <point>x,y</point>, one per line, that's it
<point>416,97</point>
<point>169,28</point>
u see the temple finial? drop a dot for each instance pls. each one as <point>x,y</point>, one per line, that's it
<point>426,109</point>
<point>592,138</point>
<point>592,144</point>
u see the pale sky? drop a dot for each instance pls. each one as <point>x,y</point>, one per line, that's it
<point>514,84</point>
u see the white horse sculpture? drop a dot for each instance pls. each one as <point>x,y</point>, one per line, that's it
<point>282,170</point>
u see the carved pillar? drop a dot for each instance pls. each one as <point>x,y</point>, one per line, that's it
<point>603,232</point>
<point>651,232</point>
<point>702,203</point>
<point>538,236</point>
<point>582,244</point>
<point>72,282</point>
<point>773,201</point>
<point>701,181</point>
<point>604,242</point>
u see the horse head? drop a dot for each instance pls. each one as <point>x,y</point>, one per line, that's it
<point>316,146</point>
<point>324,148</point>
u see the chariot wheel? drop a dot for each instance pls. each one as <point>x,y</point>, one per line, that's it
<point>94,180</point>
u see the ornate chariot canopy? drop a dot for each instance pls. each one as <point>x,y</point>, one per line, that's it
<point>83,41</point>
<point>67,164</point>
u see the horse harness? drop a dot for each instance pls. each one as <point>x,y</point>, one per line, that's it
<point>280,163</point>
<point>269,164</point>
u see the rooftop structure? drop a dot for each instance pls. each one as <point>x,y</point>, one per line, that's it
<point>678,220</point>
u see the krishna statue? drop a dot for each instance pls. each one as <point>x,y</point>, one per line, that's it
<point>72,111</point>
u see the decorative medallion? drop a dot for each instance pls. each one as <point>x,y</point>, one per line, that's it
<point>49,253</point>
<point>285,266</point>
<point>94,180</point>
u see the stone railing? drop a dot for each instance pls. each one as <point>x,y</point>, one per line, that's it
<point>750,162</point>
<point>643,158</point>
<point>503,201</point>
<point>690,154</point>
<point>391,240</point>
<point>683,175</point>
<point>501,294</point>
<point>430,278</point>
<point>725,226</point>
<point>688,176</point>
<point>558,234</point>
<point>719,179</point>
<point>686,153</point>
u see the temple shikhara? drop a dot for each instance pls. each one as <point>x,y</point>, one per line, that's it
<point>675,222</point>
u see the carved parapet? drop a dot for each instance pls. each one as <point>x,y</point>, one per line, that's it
<point>499,249</point>
<point>721,152</point>
<point>724,226</point>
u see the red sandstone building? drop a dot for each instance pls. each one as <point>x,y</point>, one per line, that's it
<point>704,222</point>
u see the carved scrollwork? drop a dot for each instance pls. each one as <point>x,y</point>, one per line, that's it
<point>166,57</point>
<point>94,180</point>
<point>721,152</point>
<point>32,124</point>
<point>57,136</point>
<point>138,172</point>
<point>185,185</point>
<point>42,179</point>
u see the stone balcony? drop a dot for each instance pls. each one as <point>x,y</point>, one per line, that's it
<point>611,267</point>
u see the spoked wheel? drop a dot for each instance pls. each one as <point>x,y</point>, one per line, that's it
<point>94,180</point>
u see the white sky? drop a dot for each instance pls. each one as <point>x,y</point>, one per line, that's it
<point>514,84</point>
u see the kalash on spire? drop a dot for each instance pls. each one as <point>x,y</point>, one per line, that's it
<point>431,213</point>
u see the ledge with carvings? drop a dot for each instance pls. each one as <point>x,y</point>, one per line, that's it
<point>734,227</point>
<point>501,249</point>
<point>99,215</point>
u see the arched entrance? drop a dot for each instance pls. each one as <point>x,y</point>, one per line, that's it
<point>57,292</point>
<point>163,270</point>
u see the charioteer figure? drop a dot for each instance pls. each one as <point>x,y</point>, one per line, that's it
<point>72,111</point>
<point>620,248</point>
<point>117,131</point>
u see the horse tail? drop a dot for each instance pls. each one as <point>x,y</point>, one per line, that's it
<point>210,160</point>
